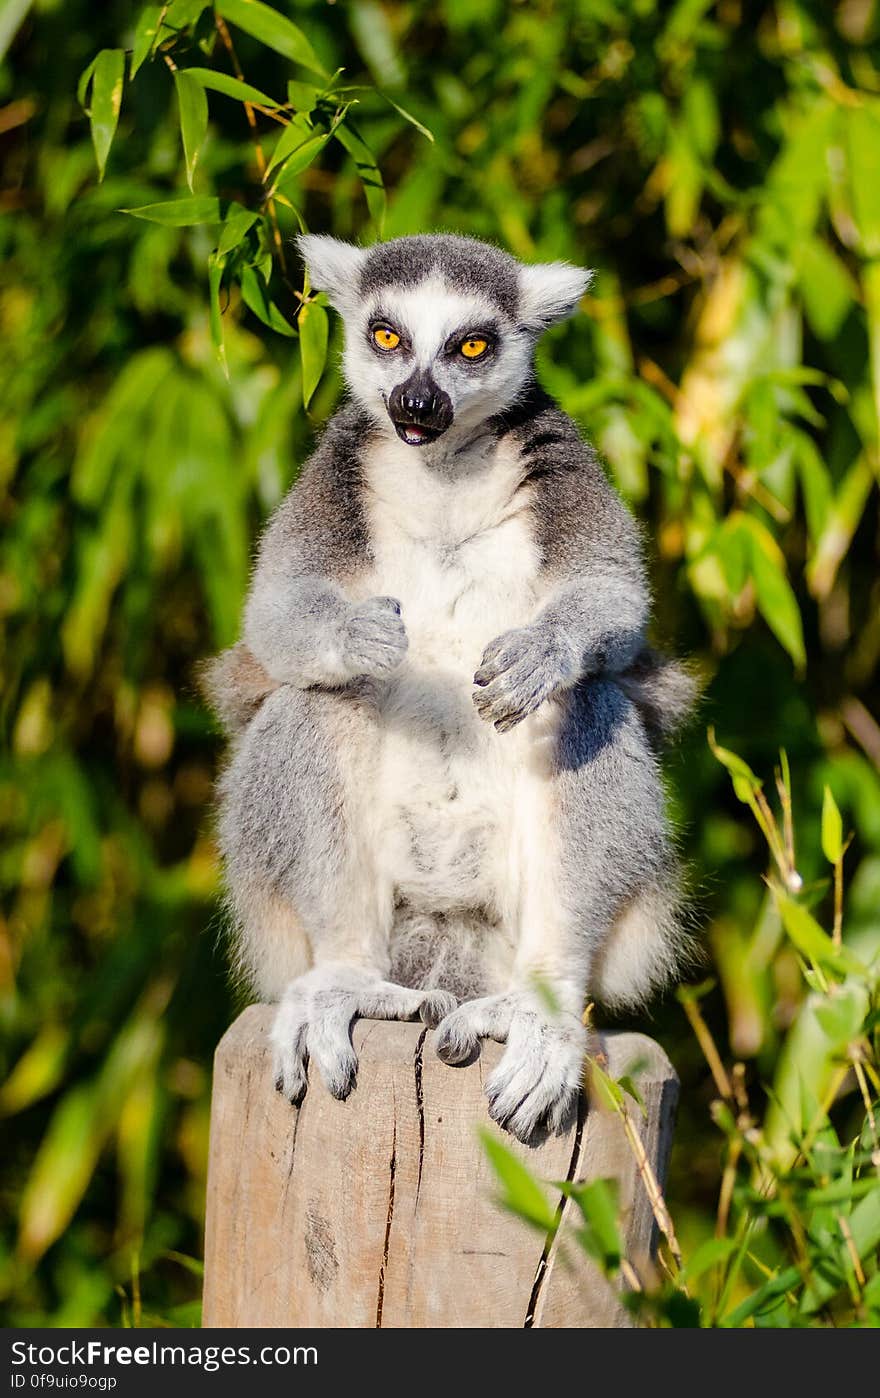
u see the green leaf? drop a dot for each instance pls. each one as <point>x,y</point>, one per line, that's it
<point>522,1194</point>
<point>811,941</point>
<point>832,828</point>
<point>85,78</point>
<point>12,13</point>
<point>745,784</point>
<point>776,1286</point>
<point>145,34</point>
<point>374,36</point>
<point>256,296</point>
<point>108,77</point>
<point>230,87</point>
<point>216,268</point>
<point>303,97</point>
<point>608,1092</point>
<point>827,289</point>
<point>272,29</point>
<point>193,108</point>
<point>864,1227</point>
<point>707,1256</point>
<point>300,158</point>
<point>368,171</point>
<point>600,1234</point>
<point>862,129</point>
<point>299,131</point>
<point>37,1072</point>
<point>408,116</point>
<point>235,227</point>
<point>773,593</point>
<point>184,213</point>
<point>841,1014</point>
<point>313,327</point>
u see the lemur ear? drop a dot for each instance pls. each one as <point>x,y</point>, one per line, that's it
<point>334,266</point>
<point>549,292</point>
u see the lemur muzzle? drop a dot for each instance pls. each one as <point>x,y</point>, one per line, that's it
<point>419,409</point>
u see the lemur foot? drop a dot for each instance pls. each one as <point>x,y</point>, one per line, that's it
<point>536,1084</point>
<point>315,1016</point>
<point>518,671</point>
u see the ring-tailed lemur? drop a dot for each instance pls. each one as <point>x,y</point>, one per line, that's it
<point>443,784</point>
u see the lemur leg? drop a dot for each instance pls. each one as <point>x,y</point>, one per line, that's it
<point>312,908</point>
<point>589,843</point>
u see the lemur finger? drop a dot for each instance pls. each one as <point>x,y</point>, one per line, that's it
<point>538,1079</point>
<point>389,1001</point>
<point>492,667</point>
<point>374,605</point>
<point>289,1055</point>
<point>377,628</point>
<point>330,1046</point>
<point>459,1034</point>
<point>436,1006</point>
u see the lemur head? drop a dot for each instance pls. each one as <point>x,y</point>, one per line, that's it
<point>439,329</point>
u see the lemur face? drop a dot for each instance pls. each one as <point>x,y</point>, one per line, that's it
<point>440,330</point>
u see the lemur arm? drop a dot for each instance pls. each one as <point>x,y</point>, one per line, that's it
<point>597,600</point>
<point>298,622</point>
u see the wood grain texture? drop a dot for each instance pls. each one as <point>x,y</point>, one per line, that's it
<point>380,1211</point>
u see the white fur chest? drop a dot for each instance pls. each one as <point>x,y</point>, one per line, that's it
<point>458,553</point>
<point>456,550</point>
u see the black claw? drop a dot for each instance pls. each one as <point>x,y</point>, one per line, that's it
<point>342,1090</point>
<point>279,1083</point>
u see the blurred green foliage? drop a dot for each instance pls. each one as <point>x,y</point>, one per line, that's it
<point>719,164</point>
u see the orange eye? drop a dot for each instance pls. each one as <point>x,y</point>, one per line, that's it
<point>473,347</point>
<point>386,338</point>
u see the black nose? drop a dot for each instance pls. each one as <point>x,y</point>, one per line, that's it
<point>420,404</point>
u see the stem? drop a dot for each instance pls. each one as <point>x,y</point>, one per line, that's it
<point>707,1044</point>
<point>651,1183</point>
<point>837,934</point>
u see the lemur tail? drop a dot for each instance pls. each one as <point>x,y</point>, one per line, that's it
<point>663,690</point>
<point>235,685</point>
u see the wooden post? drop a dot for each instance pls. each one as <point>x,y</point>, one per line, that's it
<point>381,1211</point>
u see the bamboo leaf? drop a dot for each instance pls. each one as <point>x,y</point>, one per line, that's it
<point>272,29</point>
<point>745,784</point>
<point>184,213</point>
<point>108,76</point>
<point>773,593</point>
<point>862,127</point>
<point>832,828</point>
<point>811,941</point>
<point>408,116</point>
<point>521,1192</point>
<point>600,1233</point>
<point>146,32</point>
<point>256,296</point>
<point>313,332</point>
<point>230,87</point>
<point>235,228</point>
<point>368,171</point>
<point>193,110</point>
<point>300,158</point>
<point>216,268</point>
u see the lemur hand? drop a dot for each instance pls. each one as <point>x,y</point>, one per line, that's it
<point>519,670</point>
<point>315,1017</point>
<point>374,638</point>
<point>535,1086</point>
